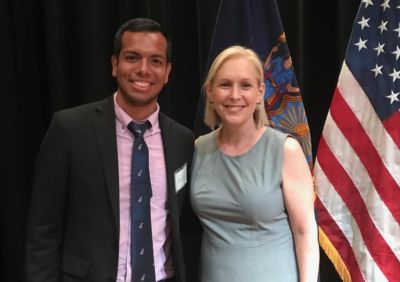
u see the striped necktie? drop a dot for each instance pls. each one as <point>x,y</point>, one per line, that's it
<point>142,260</point>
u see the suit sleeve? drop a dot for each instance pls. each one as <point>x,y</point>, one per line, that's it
<point>45,224</point>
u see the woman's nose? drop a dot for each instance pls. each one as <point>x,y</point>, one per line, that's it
<point>235,92</point>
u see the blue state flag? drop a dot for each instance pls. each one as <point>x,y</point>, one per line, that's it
<point>257,24</point>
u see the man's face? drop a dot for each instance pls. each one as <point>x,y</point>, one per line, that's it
<point>141,69</point>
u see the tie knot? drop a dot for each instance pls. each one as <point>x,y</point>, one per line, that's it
<point>138,129</point>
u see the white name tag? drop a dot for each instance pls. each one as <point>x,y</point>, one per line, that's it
<point>180,177</point>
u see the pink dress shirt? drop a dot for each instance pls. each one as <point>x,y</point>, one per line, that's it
<point>159,213</point>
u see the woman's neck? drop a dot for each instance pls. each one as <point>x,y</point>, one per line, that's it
<point>238,140</point>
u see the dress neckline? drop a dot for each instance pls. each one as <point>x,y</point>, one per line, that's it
<point>242,154</point>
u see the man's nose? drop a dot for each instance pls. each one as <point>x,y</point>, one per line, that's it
<point>144,66</point>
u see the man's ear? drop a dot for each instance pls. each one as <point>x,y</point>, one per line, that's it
<point>114,64</point>
<point>169,68</point>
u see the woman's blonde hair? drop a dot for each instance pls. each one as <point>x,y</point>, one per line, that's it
<point>211,118</point>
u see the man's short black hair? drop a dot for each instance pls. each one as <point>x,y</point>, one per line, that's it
<point>138,25</point>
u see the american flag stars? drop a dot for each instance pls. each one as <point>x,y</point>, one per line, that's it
<point>379,49</point>
<point>364,23</point>
<point>395,74</point>
<point>367,2</point>
<point>385,4</point>
<point>380,34</point>
<point>361,44</point>
<point>382,26</point>
<point>397,29</point>
<point>377,70</point>
<point>393,97</point>
<point>397,52</point>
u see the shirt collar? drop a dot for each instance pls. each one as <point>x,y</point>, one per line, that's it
<point>123,119</point>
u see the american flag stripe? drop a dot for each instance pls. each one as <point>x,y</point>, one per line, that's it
<point>348,241</point>
<point>344,186</point>
<point>357,171</point>
<point>361,106</point>
<point>362,145</point>
<point>392,127</point>
<point>341,149</point>
<point>346,163</point>
<point>336,237</point>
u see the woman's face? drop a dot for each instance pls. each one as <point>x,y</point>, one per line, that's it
<point>235,92</point>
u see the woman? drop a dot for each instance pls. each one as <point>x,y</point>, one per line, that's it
<point>251,185</point>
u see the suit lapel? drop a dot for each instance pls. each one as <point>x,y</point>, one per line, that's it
<point>104,124</point>
<point>170,158</point>
<point>168,151</point>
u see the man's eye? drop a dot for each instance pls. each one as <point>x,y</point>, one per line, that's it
<point>131,58</point>
<point>158,62</point>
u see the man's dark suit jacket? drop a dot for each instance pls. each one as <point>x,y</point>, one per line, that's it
<point>73,229</point>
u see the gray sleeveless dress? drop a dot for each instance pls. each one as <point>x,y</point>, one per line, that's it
<point>247,237</point>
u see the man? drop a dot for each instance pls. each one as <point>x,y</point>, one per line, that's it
<point>80,219</point>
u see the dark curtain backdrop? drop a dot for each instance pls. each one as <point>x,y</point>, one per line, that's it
<point>56,54</point>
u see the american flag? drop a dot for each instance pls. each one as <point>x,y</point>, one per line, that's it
<point>357,170</point>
